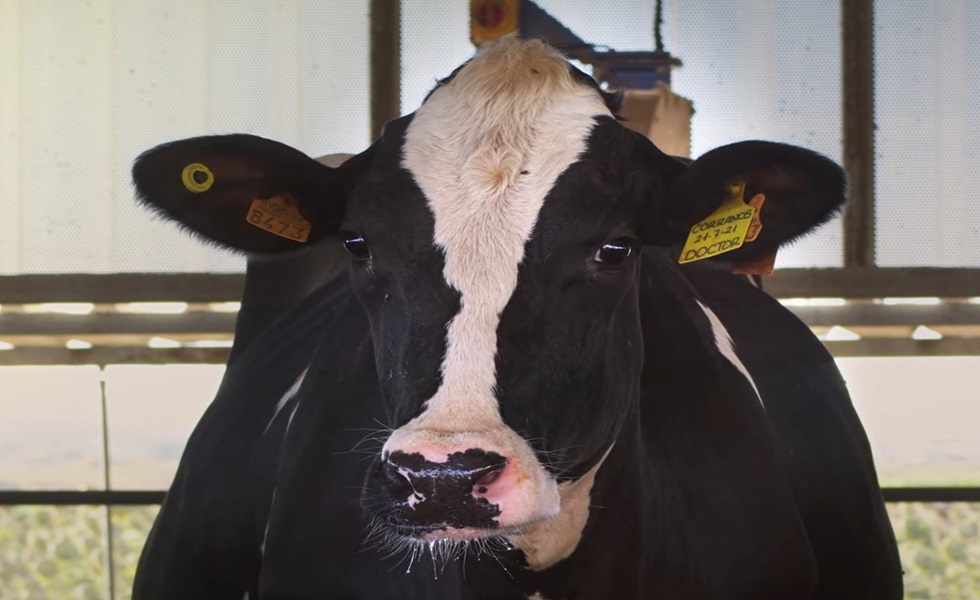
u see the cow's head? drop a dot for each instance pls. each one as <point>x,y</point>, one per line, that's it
<point>494,239</point>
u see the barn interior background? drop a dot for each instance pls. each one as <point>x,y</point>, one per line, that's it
<point>114,326</point>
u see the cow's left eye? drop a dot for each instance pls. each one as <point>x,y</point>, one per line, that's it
<point>614,252</point>
<point>357,247</point>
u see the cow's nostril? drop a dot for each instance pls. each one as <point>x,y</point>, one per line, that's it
<point>396,481</point>
<point>487,480</point>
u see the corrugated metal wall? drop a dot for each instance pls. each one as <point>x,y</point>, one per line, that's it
<point>85,86</point>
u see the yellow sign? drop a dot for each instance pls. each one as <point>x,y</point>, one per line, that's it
<point>197,178</point>
<point>723,231</point>
<point>279,215</point>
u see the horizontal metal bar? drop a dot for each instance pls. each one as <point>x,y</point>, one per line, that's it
<point>863,314</point>
<point>873,283</point>
<point>201,287</point>
<point>194,287</point>
<point>131,497</point>
<point>960,313</point>
<point>905,347</point>
<point>103,355</point>
<point>75,497</point>
<point>113,355</point>
<point>122,287</point>
<point>116,323</point>
<point>932,494</point>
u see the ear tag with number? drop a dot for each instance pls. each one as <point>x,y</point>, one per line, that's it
<point>722,231</point>
<point>279,215</point>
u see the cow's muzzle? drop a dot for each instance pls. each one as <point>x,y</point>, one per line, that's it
<point>426,497</point>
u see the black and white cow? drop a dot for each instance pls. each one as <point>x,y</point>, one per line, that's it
<point>516,391</point>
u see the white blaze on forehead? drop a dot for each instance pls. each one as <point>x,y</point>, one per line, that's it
<point>723,340</point>
<point>485,149</point>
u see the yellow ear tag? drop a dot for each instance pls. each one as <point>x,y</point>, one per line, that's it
<point>197,178</point>
<point>279,215</point>
<point>723,231</point>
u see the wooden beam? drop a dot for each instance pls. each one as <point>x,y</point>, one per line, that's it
<point>857,31</point>
<point>867,314</point>
<point>121,287</point>
<point>203,288</point>
<point>385,63</point>
<point>113,355</point>
<point>873,283</point>
<point>905,347</point>
<point>114,323</point>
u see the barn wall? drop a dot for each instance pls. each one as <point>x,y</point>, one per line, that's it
<point>86,86</point>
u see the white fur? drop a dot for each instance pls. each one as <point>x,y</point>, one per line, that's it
<point>282,402</point>
<point>265,532</point>
<point>553,540</point>
<point>513,109</point>
<point>727,348</point>
<point>286,397</point>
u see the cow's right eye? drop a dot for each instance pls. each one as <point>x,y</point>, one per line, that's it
<point>614,253</point>
<point>357,247</point>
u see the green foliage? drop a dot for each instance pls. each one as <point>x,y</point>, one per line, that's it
<point>51,553</point>
<point>940,548</point>
<point>130,526</point>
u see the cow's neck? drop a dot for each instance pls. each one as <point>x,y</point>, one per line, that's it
<point>580,551</point>
<point>556,539</point>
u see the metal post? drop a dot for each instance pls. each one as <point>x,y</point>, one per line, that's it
<point>385,63</point>
<point>857,31</point>
<point>110,547</point>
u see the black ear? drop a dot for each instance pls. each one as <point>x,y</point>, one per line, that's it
<point>242,191</point>
<point>797,190</point>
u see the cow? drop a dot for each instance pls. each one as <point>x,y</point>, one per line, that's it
<point>514,389</point>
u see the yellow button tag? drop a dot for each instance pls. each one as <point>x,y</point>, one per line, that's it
<point>723,231</point>
<point>197,178</point>
<point>279,215</point>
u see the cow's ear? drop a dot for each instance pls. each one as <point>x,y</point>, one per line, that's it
<point>792,191</point>
<point>243,192</point>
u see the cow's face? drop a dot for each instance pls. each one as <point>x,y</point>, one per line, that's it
<point>495,250</point>
<point>494,239</point>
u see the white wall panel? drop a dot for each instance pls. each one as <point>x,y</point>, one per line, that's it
<point>59,137</point>
<point>336,74</point>
<point>85,87</point>
<point>927,168</point>
<point>11,133</point>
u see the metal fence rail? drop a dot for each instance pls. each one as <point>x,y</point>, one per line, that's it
<point>147,497</point>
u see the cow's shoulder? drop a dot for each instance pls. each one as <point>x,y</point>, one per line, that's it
<point>709,453</point>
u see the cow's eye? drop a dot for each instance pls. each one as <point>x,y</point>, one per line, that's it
<point>357,247</point>
<point>614,252</point>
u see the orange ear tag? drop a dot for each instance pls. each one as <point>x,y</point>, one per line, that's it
<point>279,215</point>
<point>755,227</point>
